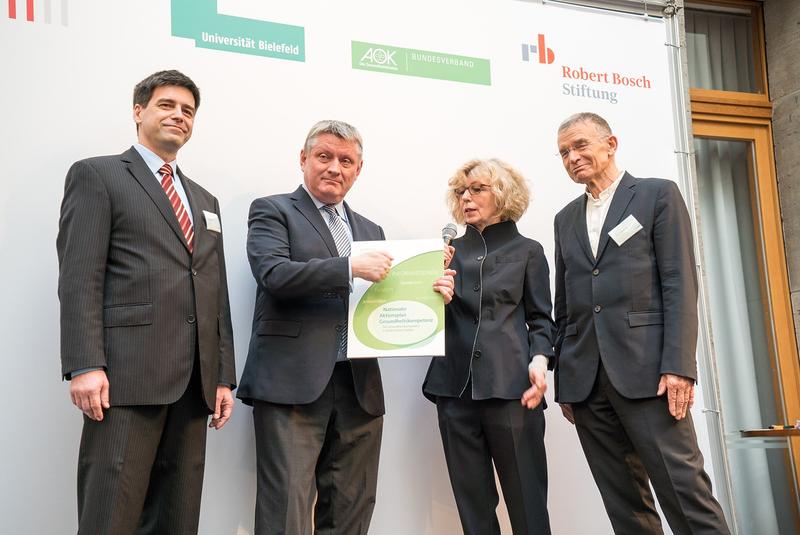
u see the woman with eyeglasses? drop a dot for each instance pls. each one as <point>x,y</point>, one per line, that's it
<point>488,388</point>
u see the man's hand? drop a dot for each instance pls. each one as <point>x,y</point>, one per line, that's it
<point>223,408</point>
<point>566,410</point>
<point>89,392</point>
<point>533,396</point>
<point>680,393</point>
<point>449,253</point>
<point>372,266</point>
<point>445,285</point>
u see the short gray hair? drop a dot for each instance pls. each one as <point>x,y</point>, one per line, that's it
<point>340,129</point>
<point>600,124</point>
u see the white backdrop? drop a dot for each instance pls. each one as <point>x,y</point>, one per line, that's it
<point>66,95</point>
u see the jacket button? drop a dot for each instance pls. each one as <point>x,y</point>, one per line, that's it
<point>194,272</point>
<point>476,287</point>
<point>477,354</point>
<point>190,319</point>
<point>598,308</point>
<point>595,272</point>
<point>479,258</point>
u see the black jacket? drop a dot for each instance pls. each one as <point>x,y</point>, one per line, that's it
<point>634,306</point>
<point>301,304</point>
<point>499,317</point>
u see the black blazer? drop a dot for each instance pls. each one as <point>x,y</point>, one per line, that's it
<point>635,306</point>
<point>301,304</point>
<point>133,299</point>
<point>499,316</point>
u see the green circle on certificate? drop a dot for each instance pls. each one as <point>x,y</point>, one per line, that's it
<point>403,310</point>
<point>402,323</point>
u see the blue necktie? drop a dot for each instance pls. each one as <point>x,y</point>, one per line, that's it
<point>341,237</point>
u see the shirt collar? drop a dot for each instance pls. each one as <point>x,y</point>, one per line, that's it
<point>608,192</point>
<point>319,204</point>
<point>154,161</point>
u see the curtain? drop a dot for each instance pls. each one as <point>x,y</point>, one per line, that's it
<point>739,327</point>
<point>720,51</point>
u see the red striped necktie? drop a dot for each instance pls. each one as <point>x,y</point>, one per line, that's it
<point>168,184</point>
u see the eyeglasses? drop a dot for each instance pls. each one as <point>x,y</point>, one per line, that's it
<point>474,189</point>
<point>580,146</point>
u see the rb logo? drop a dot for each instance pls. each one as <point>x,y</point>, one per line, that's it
<point>546,55</point>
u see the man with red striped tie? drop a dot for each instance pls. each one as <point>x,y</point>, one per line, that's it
<point>146,337</point>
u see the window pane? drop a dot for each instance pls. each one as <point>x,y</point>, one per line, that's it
<point>720,51</point>
<point>760,474</point>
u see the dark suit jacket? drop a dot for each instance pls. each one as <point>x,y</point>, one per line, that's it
<point>301,304</point>
<point>634,307</point>
<point>503,281</point>
<point>133,299</point>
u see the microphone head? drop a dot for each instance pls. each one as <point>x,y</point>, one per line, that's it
<point>449,233</point>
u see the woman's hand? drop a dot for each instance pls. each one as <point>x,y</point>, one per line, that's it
<point>533,396</point>
<point>445,285</point>
<point>449,253</point>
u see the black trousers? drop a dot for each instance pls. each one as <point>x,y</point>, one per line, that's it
<point>327,450</point>
<point>140,470</point>
<point>627,440</point>
<point>475,433</point>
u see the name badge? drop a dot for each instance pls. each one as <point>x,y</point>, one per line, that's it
<point>212,222</point>
<point>625,230</point>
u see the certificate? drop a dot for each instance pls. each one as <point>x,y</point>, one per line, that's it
<point>401,316</point>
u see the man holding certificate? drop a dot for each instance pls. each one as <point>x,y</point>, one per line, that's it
<point>318,417</point>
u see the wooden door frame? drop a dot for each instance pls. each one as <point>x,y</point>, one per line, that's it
<point>775,280</point>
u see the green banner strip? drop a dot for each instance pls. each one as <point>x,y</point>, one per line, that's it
<point>199,20</point>
<point>422,63</point>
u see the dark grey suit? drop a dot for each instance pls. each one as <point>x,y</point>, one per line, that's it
<point>292,378</point>
<point>623,319</point>
<point>137,303</point>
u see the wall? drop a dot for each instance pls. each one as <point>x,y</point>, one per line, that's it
<point>67,82</point>
<point>782,29</point>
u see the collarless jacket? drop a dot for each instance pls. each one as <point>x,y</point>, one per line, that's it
<point>634,306</point>
<point>499,316</point>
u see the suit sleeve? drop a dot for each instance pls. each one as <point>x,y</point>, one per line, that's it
<point>674,250</point>
<point>560,301</point>
<point>537,305</point>
<point>227,359</point>
<point>269,252</point>
<point>84,233</point>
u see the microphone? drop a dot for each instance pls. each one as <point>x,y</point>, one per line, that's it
<point>448,233</point>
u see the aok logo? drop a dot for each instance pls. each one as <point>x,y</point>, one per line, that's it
<point>379,57</point>
<point>546,55</point>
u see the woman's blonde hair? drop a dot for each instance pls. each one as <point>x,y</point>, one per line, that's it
<point>511,193</point>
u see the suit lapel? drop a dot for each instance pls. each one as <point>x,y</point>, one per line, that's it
<point>309,210</point>
<point>581,231</point>
<point>359,233</point>
<point>622,197</point>
<point>146,179</point>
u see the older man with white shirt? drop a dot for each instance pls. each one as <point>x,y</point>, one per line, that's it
<point>626,316</point>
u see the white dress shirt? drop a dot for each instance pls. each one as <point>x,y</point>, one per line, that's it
<point>597,210</point>
<point>154,163</point>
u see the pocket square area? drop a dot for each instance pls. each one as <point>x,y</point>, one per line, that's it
<point>627,228</point>
<point>212,221</point>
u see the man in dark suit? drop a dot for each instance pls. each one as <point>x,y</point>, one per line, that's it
<point>626,314</point>
<point>146,334</point>
<point>318,417</point>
